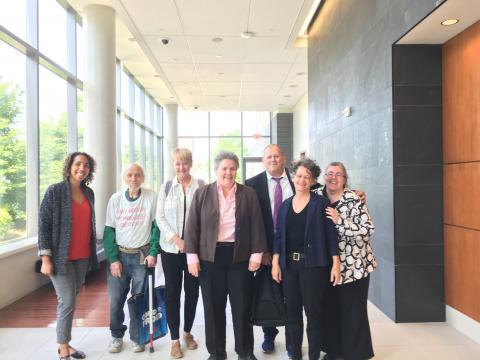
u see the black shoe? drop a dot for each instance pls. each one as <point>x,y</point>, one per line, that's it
<point>217,356</point>
<point>248,357</point>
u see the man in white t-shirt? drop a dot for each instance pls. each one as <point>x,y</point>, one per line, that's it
<point>131,244</point>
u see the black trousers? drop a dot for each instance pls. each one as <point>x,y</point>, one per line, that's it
<point>219,279</point>
<point>175,268</point>
<point>304,288</point>
<point>346,321</point>
<point>272,331</point>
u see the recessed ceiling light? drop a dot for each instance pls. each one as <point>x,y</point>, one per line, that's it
<point>219,73</point>
<point>301,73</point>
<point>281,104</point>
<point>157,75</point>
<point>286,96</point>
<point>218,56</point>
<point>247,34</point>
<point>292,86</point>
<point>222,96</point>
<point>132,39</point>
<point>449,22</point>
<point>217,39</point>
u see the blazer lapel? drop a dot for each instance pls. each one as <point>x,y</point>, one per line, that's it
<point>310,215</point>
<point>264,193</point>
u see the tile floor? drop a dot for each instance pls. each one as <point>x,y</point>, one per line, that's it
<point>419,341</point>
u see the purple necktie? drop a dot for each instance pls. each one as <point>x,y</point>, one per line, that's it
<point>277,199</point>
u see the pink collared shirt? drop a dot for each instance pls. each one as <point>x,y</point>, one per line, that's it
<point>226,224</point>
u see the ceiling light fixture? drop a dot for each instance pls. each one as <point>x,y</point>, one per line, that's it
<point>132,39</point>
<point>218,56</point>
<point>292,86</point>
<point>304,29</point>
<point>286,96</point>
<point>247,34</point>
<point>301,73</point>
<point>217,39</point>
<point>281,104</point>
<point>449,22</point>
<point>157,75</point>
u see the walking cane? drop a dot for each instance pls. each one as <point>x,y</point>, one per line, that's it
<point>150,309</point>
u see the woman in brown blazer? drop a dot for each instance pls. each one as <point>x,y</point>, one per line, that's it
<point>224,242</point>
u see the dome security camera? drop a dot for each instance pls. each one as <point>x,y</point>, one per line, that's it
<point>165,41</point>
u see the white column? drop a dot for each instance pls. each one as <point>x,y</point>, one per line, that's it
<point>99,93</point>
<point>170,138</point>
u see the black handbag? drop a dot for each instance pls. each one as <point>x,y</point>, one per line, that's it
<point>269,307</point>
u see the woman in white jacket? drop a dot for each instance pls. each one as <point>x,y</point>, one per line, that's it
<point>173,203</point>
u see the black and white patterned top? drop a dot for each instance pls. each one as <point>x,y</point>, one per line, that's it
<point>354,228</point>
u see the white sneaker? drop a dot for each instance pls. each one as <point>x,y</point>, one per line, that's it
<point>137,347</point>
<point>116,345</point>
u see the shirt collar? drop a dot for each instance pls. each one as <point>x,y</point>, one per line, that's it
<point>269,177</point>
<point>232,190</point>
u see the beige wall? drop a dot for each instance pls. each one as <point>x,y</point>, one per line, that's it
<point>17,275</point>
<point>300,126</point>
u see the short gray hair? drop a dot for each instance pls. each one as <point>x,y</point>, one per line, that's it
<point>341,166</point>
<point>225,155</point>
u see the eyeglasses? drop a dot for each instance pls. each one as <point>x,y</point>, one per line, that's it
<point>336,175</point>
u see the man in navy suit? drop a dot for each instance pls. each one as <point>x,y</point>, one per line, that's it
<point>272,187</point>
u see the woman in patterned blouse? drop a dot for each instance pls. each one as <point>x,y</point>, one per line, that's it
<point>349,326</point>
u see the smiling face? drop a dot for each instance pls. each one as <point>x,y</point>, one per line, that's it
<point>226,173</point>
<point>133,177</point>
<point>302,180</point>
<point>335,179</point>
<point>274,160</point>
<point>80,168</point>
<point>182,168</point>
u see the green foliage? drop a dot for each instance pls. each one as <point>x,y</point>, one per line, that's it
<point>230,144</point>
<point>12,163</point>
<point>53,150</point>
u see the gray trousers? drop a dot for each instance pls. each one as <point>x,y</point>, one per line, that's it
<point>67,287</point>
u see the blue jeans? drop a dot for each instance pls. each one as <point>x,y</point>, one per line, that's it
<point>132,272</point>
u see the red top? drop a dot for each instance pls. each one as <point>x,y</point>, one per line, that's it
<point>81,231</point>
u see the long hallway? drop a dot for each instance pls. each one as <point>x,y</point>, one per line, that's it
<point>27,332</point>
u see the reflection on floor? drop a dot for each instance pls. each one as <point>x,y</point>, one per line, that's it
<point>27,332</point>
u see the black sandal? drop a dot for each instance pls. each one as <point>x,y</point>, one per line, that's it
<point>77,354</point>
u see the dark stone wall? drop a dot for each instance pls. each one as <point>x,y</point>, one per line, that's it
<point>418,182</point>
<point>350,64</point>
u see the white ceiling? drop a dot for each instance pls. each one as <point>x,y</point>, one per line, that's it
<point>264,72</point>
<point>431,31</point>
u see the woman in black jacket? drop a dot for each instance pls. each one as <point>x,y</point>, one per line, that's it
<point>67,241</point>
<point>305,258</point>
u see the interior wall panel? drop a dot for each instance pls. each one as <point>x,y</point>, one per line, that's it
<point>462,195</point>
<point>462,284</point>
<point>461,154</point>
<point>461,96</point>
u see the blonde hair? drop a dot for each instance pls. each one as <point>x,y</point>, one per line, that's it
<point>182,154</point>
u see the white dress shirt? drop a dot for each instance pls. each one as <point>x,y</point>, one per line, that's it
<point>287,190</point>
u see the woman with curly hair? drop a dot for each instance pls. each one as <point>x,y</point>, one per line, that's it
<point>67,241</point>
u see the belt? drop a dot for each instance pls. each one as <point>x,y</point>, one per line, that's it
<point>143,251</point>
<point>224,243</point>
<point>295,256</point>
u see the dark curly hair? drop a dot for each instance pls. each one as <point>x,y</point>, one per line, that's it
<point>308,164</point>
<point>67,166</point>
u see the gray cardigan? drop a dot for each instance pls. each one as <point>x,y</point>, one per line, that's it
<point>55,225</point>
